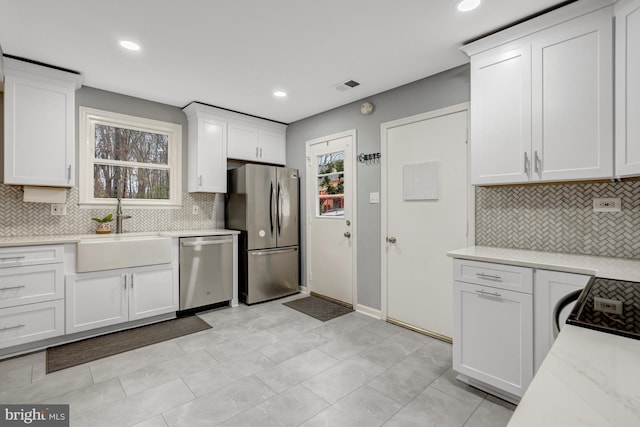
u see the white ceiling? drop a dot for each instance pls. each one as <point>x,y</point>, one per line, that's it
<point>235,53</point>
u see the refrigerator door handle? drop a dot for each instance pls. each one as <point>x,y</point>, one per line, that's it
<point>271,201</point>
<point>279,212</point>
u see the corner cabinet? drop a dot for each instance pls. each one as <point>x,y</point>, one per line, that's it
<point>542,101</point>
<point>95,300</point>
<point>39,124</point>
<point>207,151</point>
<point>627,15</point>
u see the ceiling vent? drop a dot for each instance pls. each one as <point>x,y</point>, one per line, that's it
<point>349,84</point>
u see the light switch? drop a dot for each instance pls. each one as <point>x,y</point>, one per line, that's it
<point>374,197</point>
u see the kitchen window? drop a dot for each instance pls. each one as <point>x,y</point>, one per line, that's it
<point>135,158</point>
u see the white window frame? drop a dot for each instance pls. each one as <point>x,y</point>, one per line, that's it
<point>89,117</point>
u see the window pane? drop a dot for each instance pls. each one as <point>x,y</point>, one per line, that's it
<point>331,184</point>
<point>138,183</point>
<point>331,163</point>
<point>331,206</point>
<point>115,143</point>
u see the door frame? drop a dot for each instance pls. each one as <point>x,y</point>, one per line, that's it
<point>310,207</point>
<point>384,149</point>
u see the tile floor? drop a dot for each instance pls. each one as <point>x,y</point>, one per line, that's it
<point>265,365</point>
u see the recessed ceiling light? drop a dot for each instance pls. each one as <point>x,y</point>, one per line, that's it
<point>280,94</point>
<point>129,45</point>
<point>468,5</point>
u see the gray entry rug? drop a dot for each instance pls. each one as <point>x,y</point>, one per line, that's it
<point>75,353</point>
<point>318,308</point>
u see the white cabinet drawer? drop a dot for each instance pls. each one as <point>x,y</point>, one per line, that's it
<point>32,322</point>
<point>19,256</point>
<point>519,279</point>
<point>27,285</point>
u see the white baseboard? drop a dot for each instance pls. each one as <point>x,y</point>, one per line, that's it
<point>372,312</point>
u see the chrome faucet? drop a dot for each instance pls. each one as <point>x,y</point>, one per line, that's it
<point>120,217</point>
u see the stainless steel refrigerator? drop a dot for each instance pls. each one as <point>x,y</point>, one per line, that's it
<point>262,202</point>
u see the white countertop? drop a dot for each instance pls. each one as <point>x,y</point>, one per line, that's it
<point>588,378</point>
<point>607,267</point>
<point>75,238</point>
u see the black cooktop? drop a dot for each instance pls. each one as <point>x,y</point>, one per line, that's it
<point>610,295</point>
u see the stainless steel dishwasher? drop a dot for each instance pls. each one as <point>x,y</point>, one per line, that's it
<point>206,271</point>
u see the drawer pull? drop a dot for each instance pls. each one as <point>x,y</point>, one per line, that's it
<point>7,328</point>
<point>489,276</point>
<point>493,294</point>
<point>17,258</point>
<point>6,288</point>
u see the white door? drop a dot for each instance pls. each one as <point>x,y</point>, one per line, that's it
<point>152,291</point>
<point>425,215</point>
<point>330,214</point>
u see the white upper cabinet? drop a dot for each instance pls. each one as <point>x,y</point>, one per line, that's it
<point>39,124</point>
<point>572,80</point>
<point>542,99</point>
<point>501,115</point>
<point>627,88</point>
<point>207,151</point>
<point>257,141</point>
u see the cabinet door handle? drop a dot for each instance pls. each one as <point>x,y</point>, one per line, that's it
<point>12,287</point>
<point>17,258</point>
<point>526,163</point>
<point>6,328</point>
<point>492,294</point>
<point>124,276</point>
<point>489,276</point>
<point>257,156</point>
<point>200,181</point>
<point>537,162</point>
<point>131,280</point>
<point>260,152</point>
<point>69,173</point>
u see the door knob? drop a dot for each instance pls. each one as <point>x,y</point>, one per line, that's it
<point>348,222</point>
<point>347,234</point>
<point>391,239</point>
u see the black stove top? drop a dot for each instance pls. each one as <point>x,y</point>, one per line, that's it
<point>612,296</point>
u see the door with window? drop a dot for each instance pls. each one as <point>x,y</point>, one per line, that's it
<point>330,214</point>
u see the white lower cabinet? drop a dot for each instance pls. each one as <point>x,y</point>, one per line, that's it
<point>495,336</point>
<point>95,300</point>
<point>550,288</point>
<point>31,322</point>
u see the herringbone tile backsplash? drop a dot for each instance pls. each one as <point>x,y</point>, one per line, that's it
<point>18,218</point>
<point>560,218</point>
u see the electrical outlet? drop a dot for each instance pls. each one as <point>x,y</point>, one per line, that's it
<point>58,209</point>
<point>606,305</point>
<point>374,197</point>
<point>612,204</point>
<point>196,209</point>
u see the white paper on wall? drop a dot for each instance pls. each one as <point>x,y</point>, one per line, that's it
<point>421,181</point>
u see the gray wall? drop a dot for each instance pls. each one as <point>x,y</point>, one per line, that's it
<point>441,90</point>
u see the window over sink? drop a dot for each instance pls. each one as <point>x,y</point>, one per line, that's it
<point>135,158</point>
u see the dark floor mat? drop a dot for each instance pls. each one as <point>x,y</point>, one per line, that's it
<point>318,308</point>
<point>76,353</point>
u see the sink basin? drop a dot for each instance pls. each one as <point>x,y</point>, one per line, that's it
<point>115,251</point>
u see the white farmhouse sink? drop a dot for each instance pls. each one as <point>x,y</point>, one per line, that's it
<point>110,252</point>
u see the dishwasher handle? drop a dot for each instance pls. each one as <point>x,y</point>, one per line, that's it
<point>207,242</point>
